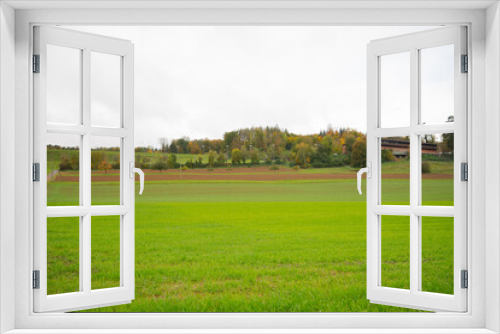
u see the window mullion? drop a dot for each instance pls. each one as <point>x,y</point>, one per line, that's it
<point>414,173</point>
<point>85,178</point>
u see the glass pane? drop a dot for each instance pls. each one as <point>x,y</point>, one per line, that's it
<point>105,165</point>
<point>396,251</point>
<point>437,85</point>
<point>63,169</point>
<point>64,77</point>
<point>437,254</point>
<point>105,90</point>
<point>63,255</point>
<point>395,171</point>
<point>437,169</point>
<point>105,252</point>
<point>395,90</point>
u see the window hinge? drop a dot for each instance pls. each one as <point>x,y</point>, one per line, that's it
<point>465,279</point>
<point>465,64</point>
<point>36,279</point>
<point>464,171</point>
<point>36,63</point>
<point>36,172</point>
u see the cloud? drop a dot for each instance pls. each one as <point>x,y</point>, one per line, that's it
<point>202,81</point>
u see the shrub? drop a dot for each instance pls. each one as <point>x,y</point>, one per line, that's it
<point>236,156</point>
<point>274,167</point>
<point>221,159</point>
<point>64,164</point>
<point>172,161</point>
<point>426,168</point>
<point>145,165</point>
<point>160,165</point>
<point>211,157</point>
<point>296,167</point>
<point>320,165</point>
<point>184,168</point>
<point>387,156</point>
<point>340,160</point>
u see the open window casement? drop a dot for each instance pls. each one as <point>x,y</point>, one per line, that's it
<point>397,111</point>
<point>62,74</point>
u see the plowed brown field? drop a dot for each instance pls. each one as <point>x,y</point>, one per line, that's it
<point>237,174</point>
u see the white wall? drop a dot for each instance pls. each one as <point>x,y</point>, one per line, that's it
<point>7,159</point>
<point>492,164</point>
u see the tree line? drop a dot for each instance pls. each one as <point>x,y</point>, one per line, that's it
<point>264,145</point>
<point>248,146</point>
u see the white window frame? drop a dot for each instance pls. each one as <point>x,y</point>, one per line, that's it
<point>85,297</point>
<point>415,211</point>
<point>483,101</point>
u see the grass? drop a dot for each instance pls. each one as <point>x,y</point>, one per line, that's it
<point>282,246</point>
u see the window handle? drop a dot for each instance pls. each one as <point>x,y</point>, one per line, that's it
<point>134,170</point>
<point>368,171</point>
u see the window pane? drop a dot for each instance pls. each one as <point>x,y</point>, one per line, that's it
<point>437,169</point>
<point>395,171</point>
<point>63,169</point>
<point>396,251</point>
<point>395,90</point>
<point>437,254</point>
<point>105,252</point>
<point>105,90</point>
<point>63,255</point>
<point>64,77</point>
<point>105,165</point>
<point>437,84</point>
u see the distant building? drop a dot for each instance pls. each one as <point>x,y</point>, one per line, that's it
<point>401,147</point>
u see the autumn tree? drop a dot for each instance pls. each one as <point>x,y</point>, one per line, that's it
<point>303,153</point>
<point>195,148</point>
<point>105,166</point>
<point>349,141</point>
<point>358,153</point>
<point>96,157</point>
<point>229,137</point>
<point>324,149</point>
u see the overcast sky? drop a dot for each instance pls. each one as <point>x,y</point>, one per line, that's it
<point>202,81</point>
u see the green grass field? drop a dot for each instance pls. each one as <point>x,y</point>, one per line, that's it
<point>243,246</point>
